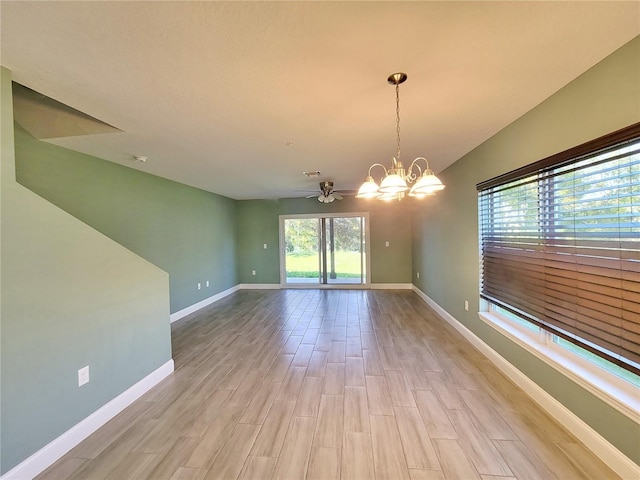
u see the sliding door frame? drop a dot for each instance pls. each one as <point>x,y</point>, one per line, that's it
<point>365,258</point>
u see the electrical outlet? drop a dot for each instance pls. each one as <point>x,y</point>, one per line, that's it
<point>253,272</point>
<point>206,284</point>
<point>199,285</point>
<point>466,305</point>
<point>83,376</point>
<point>386,244</point>
<point>265,246</point>
<point>418,274</point>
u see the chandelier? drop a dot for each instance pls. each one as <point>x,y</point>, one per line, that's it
<point>396,180</point>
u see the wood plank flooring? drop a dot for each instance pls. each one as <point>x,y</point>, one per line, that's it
<point>321,384</point>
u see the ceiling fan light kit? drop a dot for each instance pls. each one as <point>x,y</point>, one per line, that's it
<point>327,195</point>
<point>326,198</point>
<point>395,183</point>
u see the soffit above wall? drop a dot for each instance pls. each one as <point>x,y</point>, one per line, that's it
<point>46,118</point>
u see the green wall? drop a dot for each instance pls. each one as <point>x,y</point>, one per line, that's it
<point>187,232</point>
<point>258,224</point>
<point>70,297</point>
<point>445,244</point>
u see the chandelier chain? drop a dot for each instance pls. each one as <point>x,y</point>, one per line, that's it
<point>398,121</point>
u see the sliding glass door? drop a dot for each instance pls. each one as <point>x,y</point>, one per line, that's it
<point>302,250</point>
<point>324,250</point>
<point>344,249</point>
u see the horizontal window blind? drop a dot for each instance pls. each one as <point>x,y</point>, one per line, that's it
<point>560,246</point>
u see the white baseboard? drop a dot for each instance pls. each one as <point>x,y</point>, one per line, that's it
<point>391,286</point>
<point>50,453</point>
<point>219,296</point>
<point>259,286</point>
<point>201,304</point>
<point>609,454</point>
<point>277,286</point>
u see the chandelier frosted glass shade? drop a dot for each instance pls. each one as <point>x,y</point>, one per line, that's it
<point>427,184</point>
<point>393,183</point>
<point>369,189</point>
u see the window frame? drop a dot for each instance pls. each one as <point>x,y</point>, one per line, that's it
<point>536,274</point>
<point>608,387</point>
<point>615,391</point>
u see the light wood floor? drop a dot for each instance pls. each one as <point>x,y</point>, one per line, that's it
<point>328,384</point>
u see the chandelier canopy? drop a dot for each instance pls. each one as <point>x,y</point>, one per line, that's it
<point>396,180</point>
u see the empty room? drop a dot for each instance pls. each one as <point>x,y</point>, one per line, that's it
<point>321,240</point>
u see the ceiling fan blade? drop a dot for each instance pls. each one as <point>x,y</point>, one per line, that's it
<point>337,196</point>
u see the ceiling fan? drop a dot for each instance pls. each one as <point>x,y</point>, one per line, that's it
<point>327,194</point>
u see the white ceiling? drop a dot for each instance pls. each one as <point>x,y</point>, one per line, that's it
<point>239,98</point>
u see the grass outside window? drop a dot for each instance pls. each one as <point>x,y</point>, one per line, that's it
<point>306,265</point>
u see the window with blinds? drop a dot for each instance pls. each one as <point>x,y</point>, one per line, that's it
<point>560,245</point>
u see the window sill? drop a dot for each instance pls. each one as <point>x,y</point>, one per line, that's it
<point>614,391</point>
